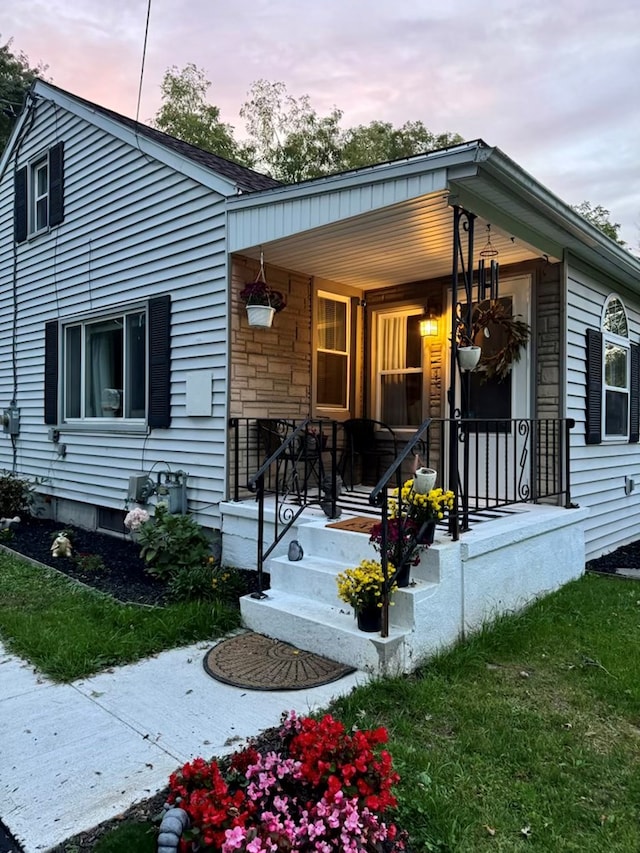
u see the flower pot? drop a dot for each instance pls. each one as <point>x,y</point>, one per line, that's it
<point>427,533</point>
<point>468,357</point>
<point>369,618</point>
<point>424,480</point>
<point>260,315</point>
<point>404,575</point>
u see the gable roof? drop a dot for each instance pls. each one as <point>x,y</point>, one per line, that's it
<point>247,180</point>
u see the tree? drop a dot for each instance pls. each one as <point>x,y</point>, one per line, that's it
<point>292,142</point>
<point>287,137</point>
<point>16,76</point>
<point>600,217</point>
<point>380,141</point>
<point>186,114</point>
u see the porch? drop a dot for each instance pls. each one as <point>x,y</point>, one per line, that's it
<point>513,535</point>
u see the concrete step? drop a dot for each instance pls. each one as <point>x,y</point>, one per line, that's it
<point>324,630</point>
<point>314,578</point>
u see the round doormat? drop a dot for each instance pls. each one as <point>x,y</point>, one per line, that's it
<point>259,663</point>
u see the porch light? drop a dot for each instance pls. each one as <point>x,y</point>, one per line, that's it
<point>429,325</point>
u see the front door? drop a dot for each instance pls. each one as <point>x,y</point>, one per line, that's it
<point>496,449</point>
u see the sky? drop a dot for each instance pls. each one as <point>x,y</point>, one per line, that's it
<point>552,83</point>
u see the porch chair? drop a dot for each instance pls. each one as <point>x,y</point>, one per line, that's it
<point>298,462</point>
<point>370,446</point>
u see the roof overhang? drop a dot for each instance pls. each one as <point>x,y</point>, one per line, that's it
<point>393,223</point>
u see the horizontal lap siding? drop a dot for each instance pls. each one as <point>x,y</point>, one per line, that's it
<point>133,229</point>
<point>598,471</point>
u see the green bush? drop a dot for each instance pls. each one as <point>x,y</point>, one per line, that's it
<point>16,494</point>
<point>172,542</point>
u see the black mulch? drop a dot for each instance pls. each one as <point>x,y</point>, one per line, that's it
<point>625,557</point>
<point>124,576</point>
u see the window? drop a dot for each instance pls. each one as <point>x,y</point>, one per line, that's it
<point>112,368</point>
<point>613,378</point>
<point>39,203</point>
<point>333,356</point>
<point>399,362</point>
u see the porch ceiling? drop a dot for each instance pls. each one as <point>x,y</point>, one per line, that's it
<point>409,241</point>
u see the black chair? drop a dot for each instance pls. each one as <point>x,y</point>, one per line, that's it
<point>298,463</point>
<point>369,448</point>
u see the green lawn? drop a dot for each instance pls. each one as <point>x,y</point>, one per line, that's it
<point>68,631</point>
<point>525,736</point>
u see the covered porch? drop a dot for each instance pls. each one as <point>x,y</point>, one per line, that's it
<point>364,259</point>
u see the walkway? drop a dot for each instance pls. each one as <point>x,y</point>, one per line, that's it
<point>75,755</point>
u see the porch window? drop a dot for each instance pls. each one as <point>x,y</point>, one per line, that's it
<point>399,361</point>
<point>333,355</point>
<point>109,369</point>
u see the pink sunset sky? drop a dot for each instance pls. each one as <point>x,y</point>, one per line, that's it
<point>553,83</point>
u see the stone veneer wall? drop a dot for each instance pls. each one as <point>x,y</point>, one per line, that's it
<point>548,341</point>
<point>270,373</point>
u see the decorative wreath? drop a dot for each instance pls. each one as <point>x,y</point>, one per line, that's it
<point>517,334</point>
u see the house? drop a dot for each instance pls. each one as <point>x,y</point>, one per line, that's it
<point>129,369</point>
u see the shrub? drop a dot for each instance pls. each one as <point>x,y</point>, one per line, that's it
<point>172,542</point>
<point>90,563</point>
<point>16,495</point>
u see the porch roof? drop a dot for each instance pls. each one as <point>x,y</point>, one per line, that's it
<point>392,223</point>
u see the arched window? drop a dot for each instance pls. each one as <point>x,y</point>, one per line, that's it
<point>613,378</point>
<point>616,374</point>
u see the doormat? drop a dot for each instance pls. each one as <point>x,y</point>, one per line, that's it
<point>256,662</point>
<point>359,524</point>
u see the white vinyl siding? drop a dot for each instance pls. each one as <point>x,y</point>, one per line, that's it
<point>598,471</point>
<point>133,229</point>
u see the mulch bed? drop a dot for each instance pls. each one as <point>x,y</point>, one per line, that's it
<point>124,575</point>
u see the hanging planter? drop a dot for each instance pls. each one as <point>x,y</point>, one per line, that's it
<point>261,300</point>
<point>468,357</point>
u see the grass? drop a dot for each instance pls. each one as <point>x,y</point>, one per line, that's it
<point>526,736</point>
<point>69,632</point>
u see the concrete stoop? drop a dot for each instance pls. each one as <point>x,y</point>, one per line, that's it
<point>497,567</point>
<point>302,605</point>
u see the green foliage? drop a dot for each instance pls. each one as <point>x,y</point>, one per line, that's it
<point>15,495</point>
<point>16,76</point>
<point>186,114</point>
<point>380,141</point>
<point>228,584</point>
<point>68,631</point>
<point>171,542</point>
<point>600,217</point>
<point>90,563</point>
<point>138,837</point>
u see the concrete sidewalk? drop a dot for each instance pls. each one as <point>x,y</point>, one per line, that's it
<point>75,755</point>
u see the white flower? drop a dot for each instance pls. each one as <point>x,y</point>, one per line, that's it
<point>135,518</point>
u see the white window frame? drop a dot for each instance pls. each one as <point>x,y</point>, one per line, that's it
<point>83,322</point>
<point>379,316</point>
<point>323,409</point>
<point>622,341</point>
<point>34,198</point>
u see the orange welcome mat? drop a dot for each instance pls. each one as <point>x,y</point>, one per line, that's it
<point>359,524</point>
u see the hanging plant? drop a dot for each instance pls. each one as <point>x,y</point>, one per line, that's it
<point>515,333</point>
<point>258,292</point>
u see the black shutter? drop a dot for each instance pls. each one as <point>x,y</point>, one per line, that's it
<point>160,362</point>
<point>594,387</point>
<point>634,401</point>
<point>51,372</point>
<point>56,184</point>
<point>20,205</point>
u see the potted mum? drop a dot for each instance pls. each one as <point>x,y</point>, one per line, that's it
<point>261,301</point>
<point>363,587</point>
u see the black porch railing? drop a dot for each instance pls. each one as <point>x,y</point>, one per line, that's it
<point>500,463</point>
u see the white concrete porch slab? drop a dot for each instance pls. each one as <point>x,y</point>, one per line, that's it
<point>77,754</point>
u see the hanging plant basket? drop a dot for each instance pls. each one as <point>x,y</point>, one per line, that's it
<point>260,315</point>
<point>468,357</point>
<point>261,300</point>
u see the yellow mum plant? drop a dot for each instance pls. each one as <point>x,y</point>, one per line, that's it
<point>363,585</point>
<point>420,507</point>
